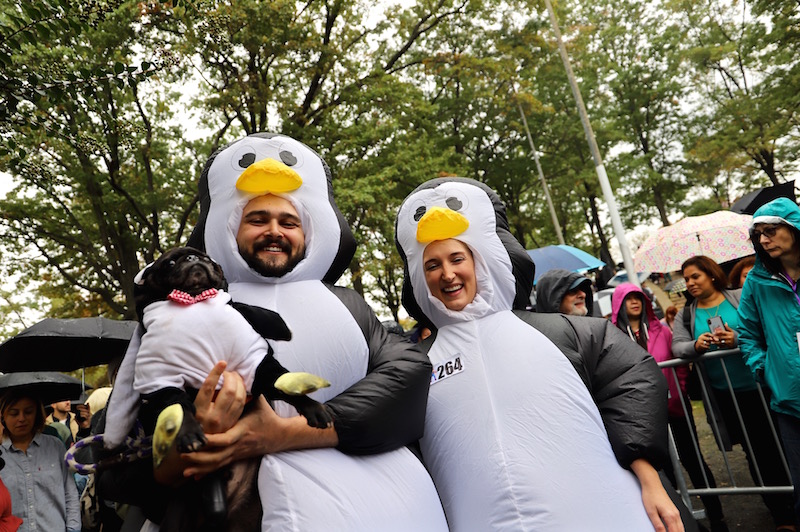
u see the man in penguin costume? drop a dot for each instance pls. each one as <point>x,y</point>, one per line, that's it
<point>269,219</point>
<point>519,436</point>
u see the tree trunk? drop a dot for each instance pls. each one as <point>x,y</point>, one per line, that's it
<point>609,269</point>
<point>355,272</point>
<point>661,206</point>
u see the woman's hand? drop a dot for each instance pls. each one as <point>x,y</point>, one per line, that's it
<point>704,342</point>
<point>725,338</point>
<point>659,507</point>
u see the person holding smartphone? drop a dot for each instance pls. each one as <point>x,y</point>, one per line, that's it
<point>708,323</point>
<point>632,312</point>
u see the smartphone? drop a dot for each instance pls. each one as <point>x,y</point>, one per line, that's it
<point>714,323</point>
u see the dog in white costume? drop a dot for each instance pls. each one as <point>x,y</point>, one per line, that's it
<point>379,383</point>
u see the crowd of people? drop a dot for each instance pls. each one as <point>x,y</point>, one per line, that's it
<point>494,418</point>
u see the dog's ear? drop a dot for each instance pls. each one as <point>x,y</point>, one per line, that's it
<point>267,323</point>
<point>141,298</point>
<point>224,282</point>
<point>150,287</point>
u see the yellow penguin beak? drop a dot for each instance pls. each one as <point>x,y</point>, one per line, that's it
<point>440,224</point>
<point>268,176</point>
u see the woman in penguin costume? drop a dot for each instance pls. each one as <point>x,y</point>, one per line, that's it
<point>513,438</point>
<point>369,480</point>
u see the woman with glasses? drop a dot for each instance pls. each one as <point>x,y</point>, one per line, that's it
<point>709,323</point>
<point>769,314</point>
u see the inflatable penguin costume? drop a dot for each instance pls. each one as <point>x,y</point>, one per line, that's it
<point>378,383</point>
<point>513,438</point>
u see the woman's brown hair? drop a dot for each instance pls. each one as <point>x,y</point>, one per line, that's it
<point>736,272</point>
<point>710,268</point>
<point>9,398</point>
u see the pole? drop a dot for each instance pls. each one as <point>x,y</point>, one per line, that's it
<point>608,194</point>
<point>557,225</point>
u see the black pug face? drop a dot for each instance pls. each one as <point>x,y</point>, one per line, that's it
<point>185,269</point>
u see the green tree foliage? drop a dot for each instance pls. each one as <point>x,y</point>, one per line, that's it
<point>747,79</point>
<point>637,54</point>
<point>103,181</point>
<point>93,94</point>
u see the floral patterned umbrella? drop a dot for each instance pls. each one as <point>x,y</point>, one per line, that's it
<point>722,236</point>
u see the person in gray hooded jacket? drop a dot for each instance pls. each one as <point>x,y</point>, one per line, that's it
<point>565,292</point>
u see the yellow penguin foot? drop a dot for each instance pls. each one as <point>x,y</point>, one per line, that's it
<point>300,383</point>
<point>176,431</point>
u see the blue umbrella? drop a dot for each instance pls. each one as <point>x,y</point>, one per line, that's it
<point>563,257</point>
<point>622,277</point>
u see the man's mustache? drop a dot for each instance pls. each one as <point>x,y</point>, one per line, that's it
<point>264,244</point>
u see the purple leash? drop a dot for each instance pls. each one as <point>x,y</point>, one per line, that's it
<point>134,448</point>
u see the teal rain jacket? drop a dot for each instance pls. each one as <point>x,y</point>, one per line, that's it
<point>769,317</point>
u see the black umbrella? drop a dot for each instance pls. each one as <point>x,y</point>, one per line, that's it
<point>66,344</point>
<point>751,201</point>
<point>48,386</point>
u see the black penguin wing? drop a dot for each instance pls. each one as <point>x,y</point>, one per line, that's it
<point>267,323</point>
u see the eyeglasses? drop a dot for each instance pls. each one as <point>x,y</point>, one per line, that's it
<point>768,231</point>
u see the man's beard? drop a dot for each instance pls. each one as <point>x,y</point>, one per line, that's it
<point>583,310</point>
<point>271,268</point>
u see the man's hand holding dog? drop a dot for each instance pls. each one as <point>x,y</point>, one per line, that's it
<point>219,413</point>
<point>260,431</point>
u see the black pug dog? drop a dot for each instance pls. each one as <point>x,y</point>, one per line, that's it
<point>169,412</point>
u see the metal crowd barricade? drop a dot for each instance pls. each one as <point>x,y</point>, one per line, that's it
<point>734,487</point>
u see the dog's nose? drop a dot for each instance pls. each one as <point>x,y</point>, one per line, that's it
<point>192,258</point>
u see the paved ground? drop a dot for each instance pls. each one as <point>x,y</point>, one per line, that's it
<point>743,513</point>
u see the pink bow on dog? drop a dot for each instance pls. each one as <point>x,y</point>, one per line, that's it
<point>183,298</point>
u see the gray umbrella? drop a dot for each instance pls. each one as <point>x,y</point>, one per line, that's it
<point>48,386</point>
<point>66,344</point>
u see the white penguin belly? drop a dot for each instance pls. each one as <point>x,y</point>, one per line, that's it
<point>513,439</point>
<point>324,489</point>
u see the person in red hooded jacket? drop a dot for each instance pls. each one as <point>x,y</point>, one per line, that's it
<point>632,312</point>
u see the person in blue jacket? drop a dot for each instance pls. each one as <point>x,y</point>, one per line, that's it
<point>769,317</point>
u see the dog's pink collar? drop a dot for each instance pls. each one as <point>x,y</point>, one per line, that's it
<point>187,299</point>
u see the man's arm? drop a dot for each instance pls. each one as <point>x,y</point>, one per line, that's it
<point>386,409</point>
<point>261,431</point>
<point>383,411</point>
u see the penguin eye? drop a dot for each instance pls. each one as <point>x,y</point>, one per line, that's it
<point>243,157</point>
<point>414,211</point>
<point>454,203</point>
<point>287,158</point>
<point>292,155</point>
<point>456,199</point>
<point>246,160</point>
